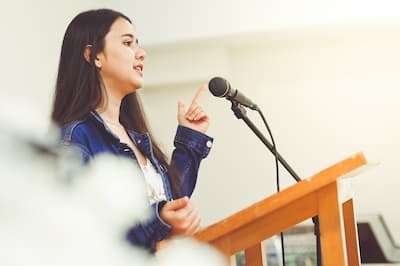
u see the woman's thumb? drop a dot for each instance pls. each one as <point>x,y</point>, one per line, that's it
<point>177,204</point>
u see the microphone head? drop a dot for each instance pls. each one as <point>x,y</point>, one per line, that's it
<point>219,86</point>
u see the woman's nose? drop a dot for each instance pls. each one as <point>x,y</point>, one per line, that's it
<point>141,53</point>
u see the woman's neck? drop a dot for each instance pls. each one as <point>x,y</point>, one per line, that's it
<point>110,111</point>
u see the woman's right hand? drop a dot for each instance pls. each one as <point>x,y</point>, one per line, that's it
<point>182,216</point>
<point>195,117</point>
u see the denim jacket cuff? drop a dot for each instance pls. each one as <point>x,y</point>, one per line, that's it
<point>195,140</point>
<point>157,226</point>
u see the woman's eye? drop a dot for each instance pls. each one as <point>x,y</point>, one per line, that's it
<point>128,43</point>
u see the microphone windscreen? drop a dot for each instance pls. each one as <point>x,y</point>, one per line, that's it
<point>218,86</point>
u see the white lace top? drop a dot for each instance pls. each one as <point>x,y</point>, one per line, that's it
<point>155,185</point>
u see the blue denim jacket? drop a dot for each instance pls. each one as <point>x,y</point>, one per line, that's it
<point>92,136</point>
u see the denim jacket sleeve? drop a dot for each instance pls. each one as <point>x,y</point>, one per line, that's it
<point>149,233</point>
<point>191,147</point>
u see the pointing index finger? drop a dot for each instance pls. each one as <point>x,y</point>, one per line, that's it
<point>199,93</point>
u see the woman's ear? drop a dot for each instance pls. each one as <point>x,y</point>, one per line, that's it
<point>87,52</point>
<point>97,62</point>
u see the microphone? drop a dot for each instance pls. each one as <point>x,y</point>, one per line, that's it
<point>220,87</point>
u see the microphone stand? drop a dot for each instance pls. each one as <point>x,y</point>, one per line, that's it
<point>240,113</point>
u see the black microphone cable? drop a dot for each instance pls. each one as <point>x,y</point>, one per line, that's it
<point>275,151</point>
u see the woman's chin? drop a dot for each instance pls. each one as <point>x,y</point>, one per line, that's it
<point>133,88</point>
<point>137,84</point>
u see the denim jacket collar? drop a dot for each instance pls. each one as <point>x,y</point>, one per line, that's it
<point>141,140</point>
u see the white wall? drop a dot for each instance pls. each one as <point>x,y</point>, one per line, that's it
<point>325,74</point>
<point>327,94</point>
<point>176,20</point>
<point>31,37</point>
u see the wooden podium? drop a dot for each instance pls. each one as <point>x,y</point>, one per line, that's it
<point>323,195</point>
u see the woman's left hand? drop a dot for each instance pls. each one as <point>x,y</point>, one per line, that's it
<point>195,117</point>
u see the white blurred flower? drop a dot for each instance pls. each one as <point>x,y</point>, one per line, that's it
<point>47,222</point>
<point>23,119</point>
<point>53,211</point>
<point>114,187</point>
<point>187,251</point>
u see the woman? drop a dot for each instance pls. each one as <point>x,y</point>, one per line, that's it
<point>96,105</point>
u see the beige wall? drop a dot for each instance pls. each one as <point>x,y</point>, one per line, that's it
<point>326,93</point>
<point>31,37</point>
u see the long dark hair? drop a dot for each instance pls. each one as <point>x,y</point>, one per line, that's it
<point>79,88</point>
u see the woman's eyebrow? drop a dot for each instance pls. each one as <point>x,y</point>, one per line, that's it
<point>128,35</point>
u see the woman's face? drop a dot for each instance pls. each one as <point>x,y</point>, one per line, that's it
<point>121,62</point>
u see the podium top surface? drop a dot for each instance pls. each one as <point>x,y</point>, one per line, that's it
<point>345,168</point>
